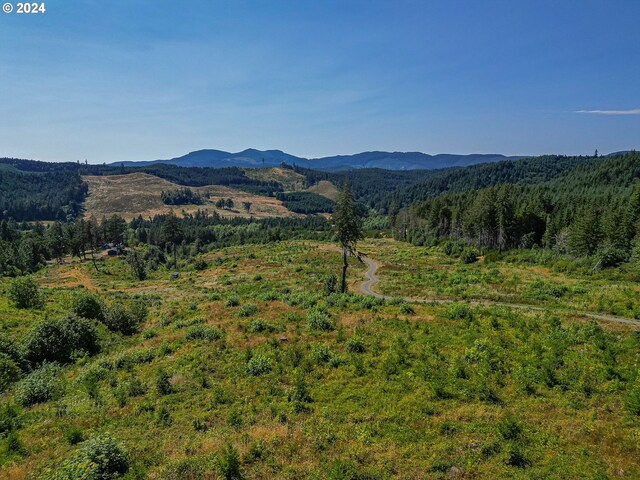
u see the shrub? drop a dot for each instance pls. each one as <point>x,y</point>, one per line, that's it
<point>457,311</point>
<point>9,418</point>
<point>73,469</point>
<point>200,264</point>
<point>451,248</point>
<point>321,354</point>
<point>516,457</point>
<point>86,305</point>
<point>73,434</point>
<point>320,320</point>
<point>203,332</point>
<point>542,290</point>
<point>110,458</point>
<point>163,417</point>
<point>118,318</point>
<point>330,284</point>
<point>233,301</point>
<point>469,255</point>
<point>229,464</point>
<point>24,292</point>
<point>163,383</point>
<point>407,309</point>
<point>355,345</point>
<point>259,325</point>
<point>39,386</point>
<point>13,445</point>
<point>509,429</point>
<point>137,266</point>
<point>9,372</point>
<point>135,357</point>
<point>299,394</point>
<point>139,310</point>
<point>247,310</point>
<point>632,400</point>
<point>13,350</point>
<point>258,365</point>
<point>61,340</point>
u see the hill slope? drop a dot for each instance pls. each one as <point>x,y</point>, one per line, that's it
<point>139,194</point>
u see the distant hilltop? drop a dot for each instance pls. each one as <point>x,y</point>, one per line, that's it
<point>271,158</point>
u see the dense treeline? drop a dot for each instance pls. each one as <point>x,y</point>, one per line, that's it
<point>463,179</point>
<point>181,196</point>
<point>25,248</point>
<point>39,193</point>
<point>591,211</point>
<point>306,202</point>
<point>370,186</point>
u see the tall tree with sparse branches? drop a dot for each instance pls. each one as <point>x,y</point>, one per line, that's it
<point>172,233</point>
<point>348,228</point>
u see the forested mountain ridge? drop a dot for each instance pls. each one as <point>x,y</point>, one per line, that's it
<point>592,209</point>
<point>524,171</point>
<point>34,190</point>
<point>271,158</point>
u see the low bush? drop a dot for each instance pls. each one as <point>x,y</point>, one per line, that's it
<point>15,351</point>
<point>9,418</point>
<point>259,325</point>
<point>229,464</point>
<point>632,400</point>
<point>9,372</point>
<point>320,320</point>
<point>233,301</point>
<point>258,365</point>
<point>86,305</point>
<point>140,310</point>
<point>469,255</point>
<point>247,310</point>
<point>39,386</point>
<point>322,355</point>
<point>203,332</point>
<point>73,434</point>
<point>458,311</point>
<point>109,458</point>
<point>355,345</point>
<point>119,318</point>
<point>407,309</point>
<point>163,383</point>
<point>543,290</point>
<point>24,292</point>
<point>132,358</point>
<point>61,340</point>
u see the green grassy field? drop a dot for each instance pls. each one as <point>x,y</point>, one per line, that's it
<point>249,360</point>
<point>528,277</point>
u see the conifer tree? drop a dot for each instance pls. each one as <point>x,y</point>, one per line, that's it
<point>348,228</point>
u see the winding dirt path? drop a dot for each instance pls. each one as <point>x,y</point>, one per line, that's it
<point>372,279</point>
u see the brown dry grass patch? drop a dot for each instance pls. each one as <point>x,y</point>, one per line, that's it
<point>137,194</point>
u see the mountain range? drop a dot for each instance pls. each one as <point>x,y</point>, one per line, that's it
<point>272,158</point>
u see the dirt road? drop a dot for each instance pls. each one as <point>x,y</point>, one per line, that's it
<point>366,287</point>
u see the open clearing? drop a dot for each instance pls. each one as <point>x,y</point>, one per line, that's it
<point>324,188</point>
<point>137,194</point>
<point>290,180</point>
<point>386,390</point>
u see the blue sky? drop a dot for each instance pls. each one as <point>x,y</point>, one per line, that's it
<point>144,79</point>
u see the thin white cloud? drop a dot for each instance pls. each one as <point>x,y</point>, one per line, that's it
<point>635,111</point>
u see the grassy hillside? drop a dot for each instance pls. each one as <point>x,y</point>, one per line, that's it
<point>324,188</point>
<point>290,180</point>
<point>139,194</point>
<point>245,365</point>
